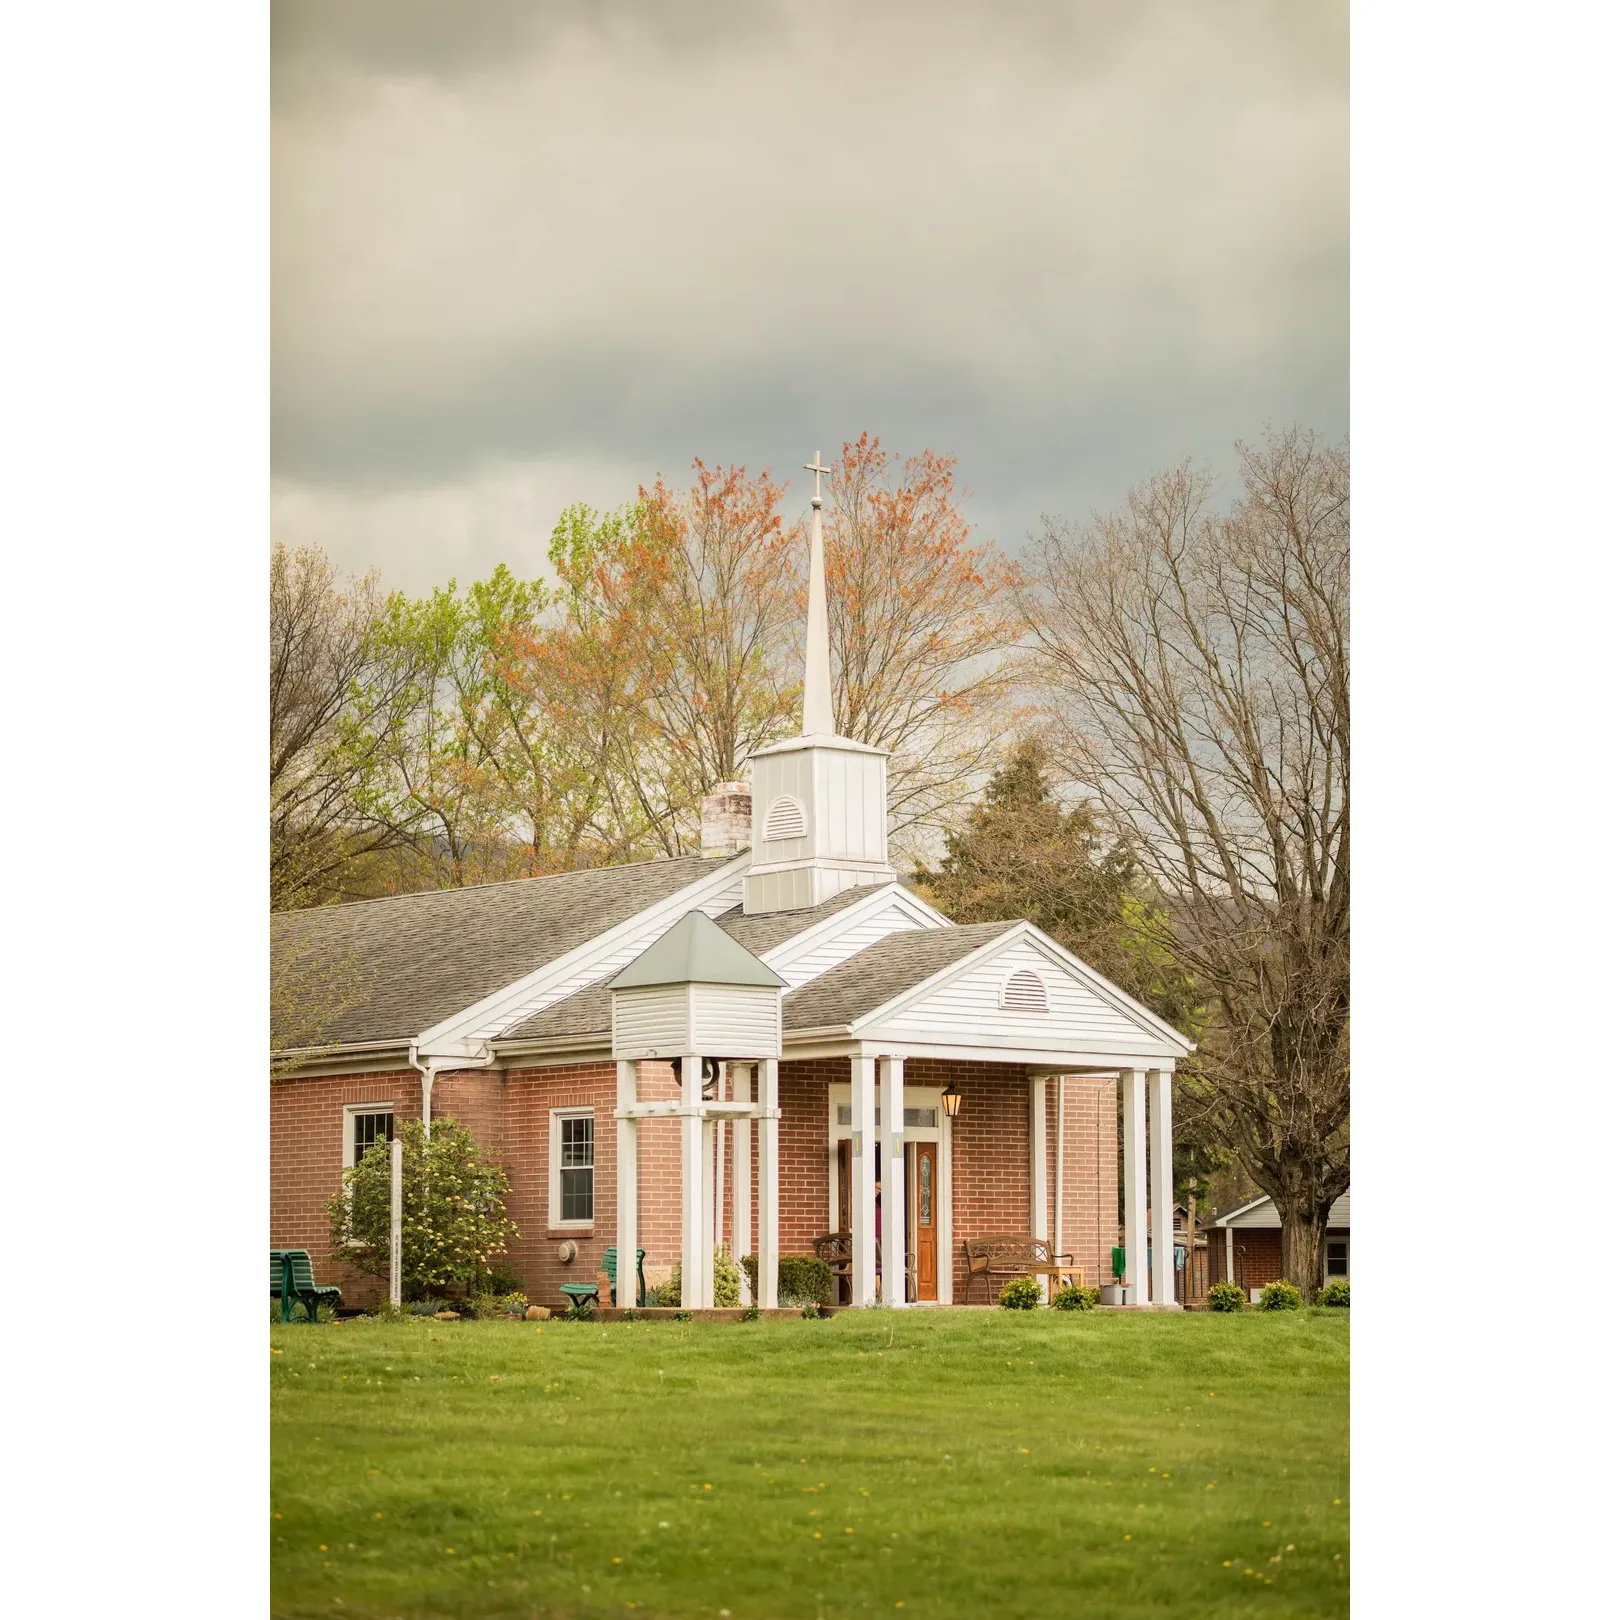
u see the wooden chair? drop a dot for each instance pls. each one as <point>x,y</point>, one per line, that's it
<point>292,1278</point>
<point>838,1250</point>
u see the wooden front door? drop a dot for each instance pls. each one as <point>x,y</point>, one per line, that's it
<point>925,1217</point>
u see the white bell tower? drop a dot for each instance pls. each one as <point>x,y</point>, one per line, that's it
<point>821,801</point>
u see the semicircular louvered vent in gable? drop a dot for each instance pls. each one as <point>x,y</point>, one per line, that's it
<point>784,819</point>
<point>1024,992</point>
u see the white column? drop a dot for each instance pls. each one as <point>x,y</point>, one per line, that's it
<point>1133,1083</point>
<point>1037,1167</point>
<point>742,1152</point>
<point>1164,1190</point>
<point>768,1186</point>
<point>892,1140</point>
<point>863,1182</point>
<point>719,1227</point>
<point>396,1218</point>
<point>1057,1188</point>
<point>1231,1275</point>
<point>691,1182</point>
<point>625,1235</point>
<point>706,1291</point>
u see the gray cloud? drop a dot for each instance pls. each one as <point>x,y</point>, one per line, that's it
<point>1066,243</point>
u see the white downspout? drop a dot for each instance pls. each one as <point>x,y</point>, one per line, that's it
<point>429,1069</point>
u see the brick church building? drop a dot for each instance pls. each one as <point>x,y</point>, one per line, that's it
<point>751,1047</point>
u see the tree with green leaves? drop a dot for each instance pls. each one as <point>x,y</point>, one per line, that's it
<point>454,1224</point>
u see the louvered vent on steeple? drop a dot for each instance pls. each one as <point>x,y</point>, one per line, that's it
<point>1024,992</point>
<point>784,819</point>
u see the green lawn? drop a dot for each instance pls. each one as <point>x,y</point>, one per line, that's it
<point>932,1463</point>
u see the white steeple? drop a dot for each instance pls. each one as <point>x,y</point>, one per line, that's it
<point>818,705</point>
<point>821,801</point>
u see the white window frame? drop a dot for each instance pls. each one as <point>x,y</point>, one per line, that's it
<point>351,1112</point>
<point>554,1213</point>
<point>1328,1276</point>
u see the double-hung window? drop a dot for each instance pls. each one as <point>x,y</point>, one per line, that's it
<point>364,1125</point>
<point>573,1167</point>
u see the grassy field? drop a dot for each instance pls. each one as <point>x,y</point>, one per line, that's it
<point>882,1462</point>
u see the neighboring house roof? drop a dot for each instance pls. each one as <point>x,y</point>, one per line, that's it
<point>1261,1212</point>
<point>695,951</point>
<point>420,958</point>
<point>883,971</point>
<point>590,1011</point>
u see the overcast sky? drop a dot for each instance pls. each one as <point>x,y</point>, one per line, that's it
<point>528,252</point>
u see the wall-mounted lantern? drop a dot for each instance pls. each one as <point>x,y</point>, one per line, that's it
<point>951,1098</point>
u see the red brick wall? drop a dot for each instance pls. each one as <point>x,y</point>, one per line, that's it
<point>306,1163</point>
<point>524,1144</point>
<point>1090,1170</point>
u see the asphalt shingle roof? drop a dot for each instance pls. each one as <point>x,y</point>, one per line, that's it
<point>895,964</point>
<point>590,1011</point>
<point>418,958</point>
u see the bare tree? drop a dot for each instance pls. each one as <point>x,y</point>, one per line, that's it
<point>1199,666</point>
<point>323,750</point>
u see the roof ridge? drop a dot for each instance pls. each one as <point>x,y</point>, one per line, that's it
<point>496,883</point>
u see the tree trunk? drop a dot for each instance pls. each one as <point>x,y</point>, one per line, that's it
<point>1304,1237</point>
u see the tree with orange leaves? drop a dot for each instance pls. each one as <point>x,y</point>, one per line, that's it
<point>728,614</point>
<point>922,621</point>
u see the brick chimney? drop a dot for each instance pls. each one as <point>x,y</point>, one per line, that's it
<point>727,819</point>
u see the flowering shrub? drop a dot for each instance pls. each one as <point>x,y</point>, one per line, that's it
<point>1075,1298</point>
<point>1021,1294</point>
<point>1336,1293</point>
<point>1280,1296</point>
<point>454,1216</point>
<point>1226,1296</point>
<point>727,1283</point>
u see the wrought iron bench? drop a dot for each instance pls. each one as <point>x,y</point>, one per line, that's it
<point>996,1260</point>
<point>292,1279</point>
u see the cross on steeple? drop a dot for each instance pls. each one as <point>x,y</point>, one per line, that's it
<point>816,468</point>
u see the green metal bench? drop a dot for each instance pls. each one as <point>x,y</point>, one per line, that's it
<point>579,1294</point>
<point>610,1264</point>
<point>292,1278</point>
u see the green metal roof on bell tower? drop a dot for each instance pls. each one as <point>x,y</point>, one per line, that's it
<point>695,951</point>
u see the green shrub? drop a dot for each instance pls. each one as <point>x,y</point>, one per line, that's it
<point>1021,1294</point>
<point>804,1279</point>
<point>1280,1296</point>
<point>1336,1293</point>
<point>425,1307</point>
<point>751,1314</point>
<point>1075,1298</point>
<point>811,1313</point>
<point>1226,1296</point>
<point>454,1217</point>
<point>750,1269</point>
<point>502,1282</point>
